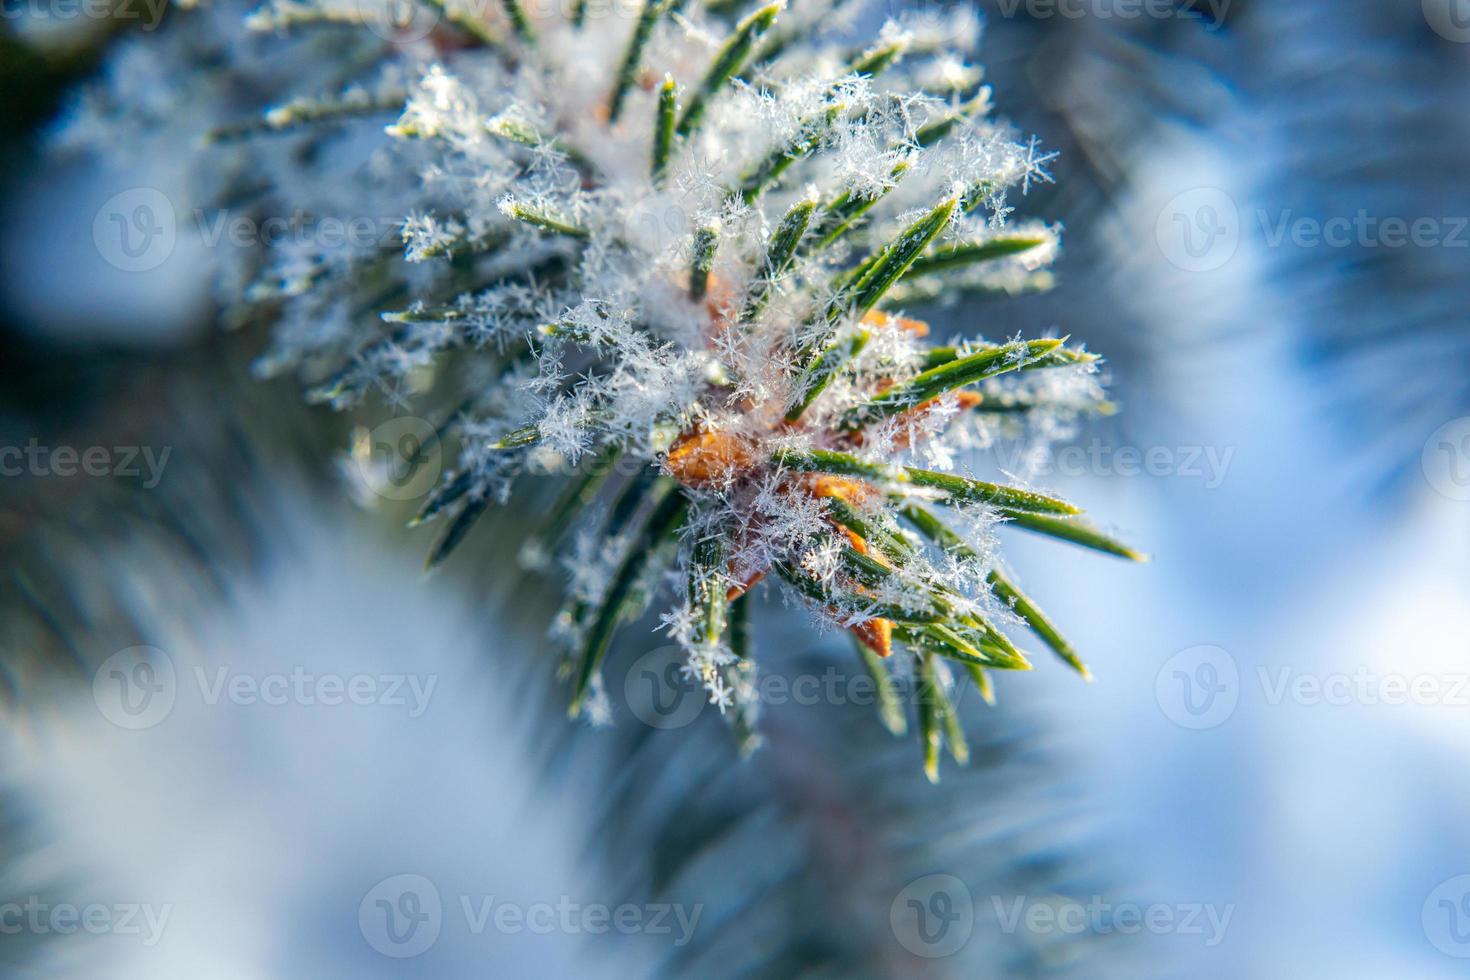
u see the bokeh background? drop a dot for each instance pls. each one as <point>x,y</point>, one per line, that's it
<point>1266,212</point>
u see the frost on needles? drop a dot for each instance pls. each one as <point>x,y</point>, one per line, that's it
<point>667,249</point>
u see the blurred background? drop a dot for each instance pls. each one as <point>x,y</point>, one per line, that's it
<point>1266,214</point>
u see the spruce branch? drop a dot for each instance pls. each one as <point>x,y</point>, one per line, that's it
<point>687,292</point>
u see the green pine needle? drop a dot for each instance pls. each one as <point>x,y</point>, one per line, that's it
<point>455,533</point>
<point>660,527</point>
<point>1074,531</point>
<point>779,254</point>
<point>1037,621</point>
<point>890,707</point>
<point>973,253</point>
<point>890,264</point>
<point>934,132</point>
<point>961,489</point>
<point>727,64</point>
<point>806,142</point>
<point>544,220</point>
<point>517,15</point>
<point>633,57</point>
<point>824,368</point>
<point>663,128</point>
<point>930,737</point>
<point>839,217</point>
<point>956,374</point>
<point>707,587</point>
<point>874,61</point>
<point>706,242</point>
<point>958,489</point>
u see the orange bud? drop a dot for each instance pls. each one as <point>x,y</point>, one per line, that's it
<point>969,399</point>
<point>846,489</point>
<point>736,591</point>
<point>718,297</point>
<point>699,459</point>
<point>918,328</point>
<point>877,634</point>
